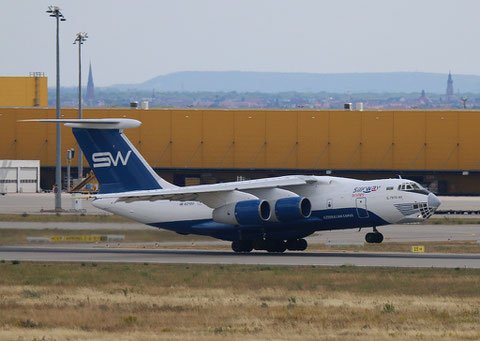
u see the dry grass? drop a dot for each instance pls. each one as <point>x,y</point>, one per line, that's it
<point>451,221</point>
<point>210,302</point>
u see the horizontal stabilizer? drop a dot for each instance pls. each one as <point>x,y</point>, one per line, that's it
<point>93,123</point>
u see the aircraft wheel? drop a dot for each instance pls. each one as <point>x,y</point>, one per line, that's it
<point>370,237</point>
<point>296,244</point>
<point>236,246</point>
<point>374,237</point>
<point>292,244</point>
<point>302,245</point>
<point>276,246</point>
<point>281,246</point>
<point>247,246</point>
<point>259,244</point>
<point>242,245</point>
<point>378,238</point>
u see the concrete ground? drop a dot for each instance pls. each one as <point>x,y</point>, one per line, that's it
<point>31,203</point>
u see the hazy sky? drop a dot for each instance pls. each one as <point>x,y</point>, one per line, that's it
<point>133,41</point>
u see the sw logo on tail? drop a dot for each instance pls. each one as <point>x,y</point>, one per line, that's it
<point>106,159</point>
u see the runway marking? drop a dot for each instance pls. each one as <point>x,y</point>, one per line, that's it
<point>212,253</point>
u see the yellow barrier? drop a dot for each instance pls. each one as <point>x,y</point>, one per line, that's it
<point>79,238</point>
<point>419,248</point>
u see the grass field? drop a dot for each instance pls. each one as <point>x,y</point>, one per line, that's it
<point>45,301</point>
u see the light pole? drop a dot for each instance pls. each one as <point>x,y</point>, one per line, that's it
<point>81,37</point>
<point>54,12</point>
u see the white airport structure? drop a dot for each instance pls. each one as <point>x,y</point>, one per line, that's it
<point>19,176</point>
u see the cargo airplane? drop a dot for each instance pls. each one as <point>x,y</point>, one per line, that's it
<point>272,214</point>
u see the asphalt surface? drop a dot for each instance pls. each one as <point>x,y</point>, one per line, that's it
<point>88,254</point>
<point>123,254</point>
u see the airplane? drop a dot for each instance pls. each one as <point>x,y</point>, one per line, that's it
<point>272,214</point>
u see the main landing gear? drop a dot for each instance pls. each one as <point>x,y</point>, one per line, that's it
<point>270,245</point>
<point>374,237</point>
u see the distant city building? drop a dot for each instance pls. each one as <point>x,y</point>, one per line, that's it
<point>449,92</point>
<point>90,97</point>
<point>424,101</point>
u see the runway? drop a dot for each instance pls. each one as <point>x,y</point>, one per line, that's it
<point>98,255</point>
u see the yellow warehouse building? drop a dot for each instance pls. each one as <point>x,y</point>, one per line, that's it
<point>24,91</point>
<point>438,148</point>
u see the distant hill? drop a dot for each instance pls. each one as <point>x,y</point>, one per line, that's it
<point>271,82</point>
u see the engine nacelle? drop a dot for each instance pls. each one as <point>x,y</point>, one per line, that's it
<point>289,209</point>
<point>248,212</point>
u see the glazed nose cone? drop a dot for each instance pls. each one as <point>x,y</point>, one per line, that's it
<point>433,201</point>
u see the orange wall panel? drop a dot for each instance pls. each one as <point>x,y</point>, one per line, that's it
<point>313,140</point>
<point>469,140</point>
<point>409,140</point>
<point>218,139</point>
<point>281,137</point>
<point>442,138</point>
<point>250,148</point>
<point>187,131</point>
<point>377,139</point>
<point>155,137</point>
<point>345,138</point>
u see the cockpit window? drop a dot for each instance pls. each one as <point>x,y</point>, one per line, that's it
<point>412,187</point>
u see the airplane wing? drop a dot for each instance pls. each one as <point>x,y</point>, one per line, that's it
<point>214,195</point>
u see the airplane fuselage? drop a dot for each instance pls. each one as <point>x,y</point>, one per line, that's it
<point>272,214</point>
<point>337,203</point>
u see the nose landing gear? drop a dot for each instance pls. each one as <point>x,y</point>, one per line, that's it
<point>374,237</point>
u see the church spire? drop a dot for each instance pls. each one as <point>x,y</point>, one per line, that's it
<point>449,92</point>
<point>90,98</point>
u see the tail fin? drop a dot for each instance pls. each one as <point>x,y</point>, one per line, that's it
<point>116,163</point>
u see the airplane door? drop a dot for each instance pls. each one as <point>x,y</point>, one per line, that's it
<point>362,207</point>
<point>329,204</point>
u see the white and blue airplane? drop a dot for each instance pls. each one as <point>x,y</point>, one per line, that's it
<point>272,214</point>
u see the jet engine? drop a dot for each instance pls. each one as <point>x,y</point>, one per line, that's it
<point>293,208</point>
<point>248,212</point>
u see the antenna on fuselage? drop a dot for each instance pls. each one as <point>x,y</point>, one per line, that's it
<point>399,176</point>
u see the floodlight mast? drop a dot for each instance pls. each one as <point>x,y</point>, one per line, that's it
<point>54,12</point>
<point>80,38</point>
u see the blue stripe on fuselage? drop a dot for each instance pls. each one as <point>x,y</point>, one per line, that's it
<point>336,219</point>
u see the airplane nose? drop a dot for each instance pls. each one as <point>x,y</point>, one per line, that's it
<point>433,201</point>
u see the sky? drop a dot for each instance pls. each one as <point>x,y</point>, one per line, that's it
<point>134,41</point>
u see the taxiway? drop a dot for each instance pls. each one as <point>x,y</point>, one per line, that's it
<point>89,254</point>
